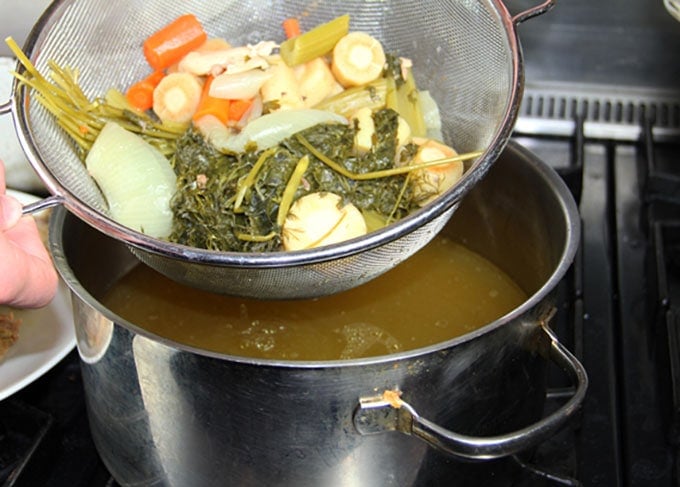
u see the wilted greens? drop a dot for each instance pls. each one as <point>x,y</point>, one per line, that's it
<point>230,202</point>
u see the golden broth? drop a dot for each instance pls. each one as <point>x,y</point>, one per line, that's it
<point>442,292</point>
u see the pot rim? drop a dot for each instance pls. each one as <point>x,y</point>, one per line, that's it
<point>573,234</point>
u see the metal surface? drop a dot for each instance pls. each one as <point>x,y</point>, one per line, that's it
<point>166,414</point>
<point>617,64</point>
<point>475,74</point>
<point>379,414</point>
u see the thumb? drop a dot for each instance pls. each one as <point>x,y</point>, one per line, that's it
<point>10,212</point>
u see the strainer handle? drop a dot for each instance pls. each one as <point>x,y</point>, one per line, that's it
<point>6,107</point>
<point>379,414</point>
<point>533,12</point>
<point>43,204</point>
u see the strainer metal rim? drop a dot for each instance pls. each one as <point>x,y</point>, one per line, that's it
<point>278,258</point>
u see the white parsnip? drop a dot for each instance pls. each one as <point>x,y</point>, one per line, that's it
<point>282,88</point>
<point>176,97</point>
<point>365,130</point>
<point>319,219</point>
<point>358,58</point>
<point>316,81</point>
<point>431,182</point>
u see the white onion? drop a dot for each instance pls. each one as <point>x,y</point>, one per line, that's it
<point>239,86</point>
<point>136,179</point>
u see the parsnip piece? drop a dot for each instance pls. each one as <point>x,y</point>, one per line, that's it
<point>430,182</point>
<point>316,81</point>
<point>136,179</point>
<point>319,219</point>
<point>282,87</point>
<point>363,138</point>
<point>403,132</point>
<point>176,97</point>
<point>358,58</point>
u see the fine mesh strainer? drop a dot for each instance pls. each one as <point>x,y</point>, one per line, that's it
<point>465,52</point>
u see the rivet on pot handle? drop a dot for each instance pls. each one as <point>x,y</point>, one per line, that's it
<point>388,412</point>
<point>533,12</point>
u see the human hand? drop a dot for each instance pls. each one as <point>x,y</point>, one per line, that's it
<point>28,278</point>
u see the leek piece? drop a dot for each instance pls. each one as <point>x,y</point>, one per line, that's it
<point>314,43</point>
<point>136,179</point>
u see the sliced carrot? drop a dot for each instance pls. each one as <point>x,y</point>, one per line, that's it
<point>238,108</point>
<point>210,105</point>
<point>140,94</point>
<point>291,27</point>
<point>169,44</point>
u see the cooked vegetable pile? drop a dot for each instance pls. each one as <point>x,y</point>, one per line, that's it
<point>319,139</point>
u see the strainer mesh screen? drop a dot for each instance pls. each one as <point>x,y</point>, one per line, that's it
<point>460,50</point>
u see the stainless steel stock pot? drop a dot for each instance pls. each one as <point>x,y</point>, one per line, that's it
<point>162,413</point>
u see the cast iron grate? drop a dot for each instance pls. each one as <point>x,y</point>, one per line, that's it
<point>23,432</point>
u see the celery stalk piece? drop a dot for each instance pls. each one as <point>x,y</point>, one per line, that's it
<point>314,43</point>
<point>405,100</point>
<point>348,101</point>
<point>409,101</point>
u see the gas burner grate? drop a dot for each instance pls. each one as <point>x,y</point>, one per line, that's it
<point>23,432</point>
<point>666,268</point>
<point>609,112</point>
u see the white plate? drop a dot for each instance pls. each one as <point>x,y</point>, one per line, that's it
<point>46,336</point>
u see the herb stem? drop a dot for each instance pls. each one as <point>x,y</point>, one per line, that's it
<point>249,180</point>
<point>384,172</point>
<point>81,118</point>
<point>256,238</point>
<point>291,188</point>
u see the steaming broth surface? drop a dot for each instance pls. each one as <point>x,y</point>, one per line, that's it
<point>442,292</point>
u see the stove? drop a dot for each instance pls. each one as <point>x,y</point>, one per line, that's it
<point>601,106</point>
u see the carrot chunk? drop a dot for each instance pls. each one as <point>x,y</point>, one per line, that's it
<point>210,105</point>
<point>238,108</point>
<point>291,27</point>
<point>140,94</point>
<point>169,44</point>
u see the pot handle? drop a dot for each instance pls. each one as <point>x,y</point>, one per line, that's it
<point>533,12</point>
<point>388,412</point>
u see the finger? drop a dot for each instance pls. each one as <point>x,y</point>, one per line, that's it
<point>10,211</point>
<point>29,278</point>
<point>2,177</point>
<point>26,235</point>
